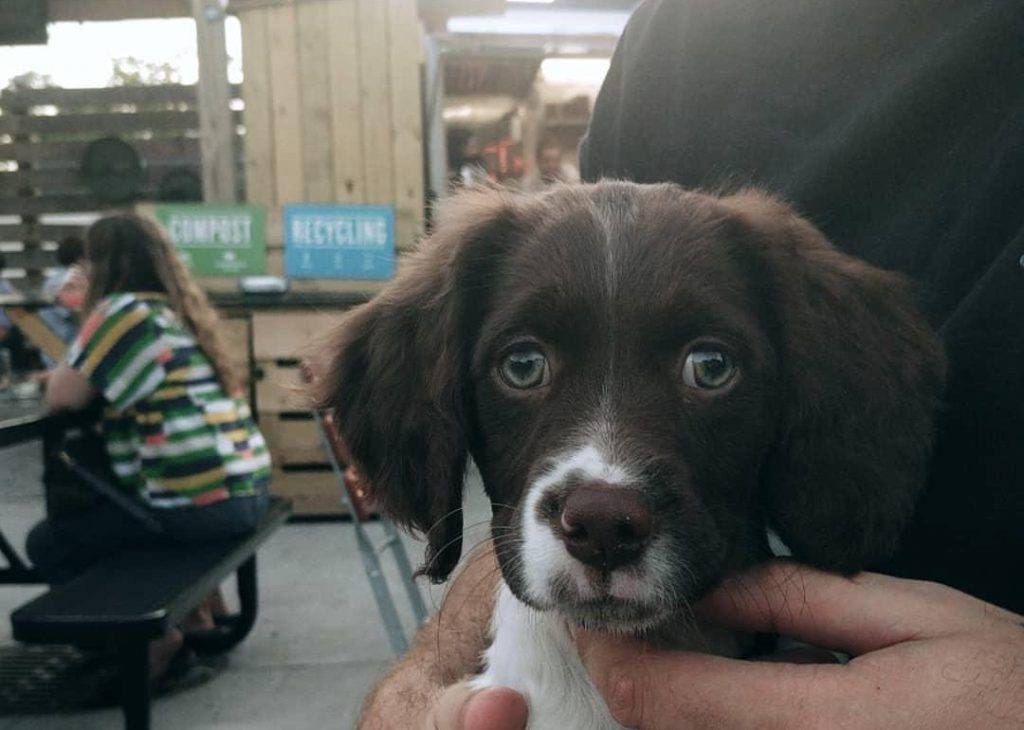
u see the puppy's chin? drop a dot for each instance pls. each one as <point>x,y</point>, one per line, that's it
<point>614,615</point>
<point>598,610</point>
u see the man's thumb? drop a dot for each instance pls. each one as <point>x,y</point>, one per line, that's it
<point>462,708</point>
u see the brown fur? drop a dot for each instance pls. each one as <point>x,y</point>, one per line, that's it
<point>825,435</point>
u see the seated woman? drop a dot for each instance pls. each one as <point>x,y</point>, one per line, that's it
<point>180,436</point>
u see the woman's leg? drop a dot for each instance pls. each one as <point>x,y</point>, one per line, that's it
<point>62,547</point>
<point>217,521</point>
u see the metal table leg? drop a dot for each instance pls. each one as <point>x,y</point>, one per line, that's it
<point>134,658</point>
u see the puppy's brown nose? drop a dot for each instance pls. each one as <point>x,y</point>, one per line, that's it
<point>605,526</point>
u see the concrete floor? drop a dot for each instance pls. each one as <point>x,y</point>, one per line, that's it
<point>316,649</point>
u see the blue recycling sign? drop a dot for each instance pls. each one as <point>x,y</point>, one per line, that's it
<point>339,241</point>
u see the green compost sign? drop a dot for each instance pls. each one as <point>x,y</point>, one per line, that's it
<point>217,240</point>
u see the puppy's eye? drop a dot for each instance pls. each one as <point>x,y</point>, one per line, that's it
<point>708,369</point>
<point>524,369</point>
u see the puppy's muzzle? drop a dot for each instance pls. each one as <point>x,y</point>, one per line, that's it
<point>604,526</point>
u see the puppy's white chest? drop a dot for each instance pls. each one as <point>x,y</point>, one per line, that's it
<point>532,653</point>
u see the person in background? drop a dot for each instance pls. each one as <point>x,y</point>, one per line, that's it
<point>22,357</point>
<point>466,160</point>
<point>6,325</point>
<point>65,285</point>
<point>551,169</point>
<point>179,436</point>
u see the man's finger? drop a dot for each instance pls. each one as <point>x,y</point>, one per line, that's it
<point>462,708</point>
<point>854,614</point>
<point>496,709</point>
<point>658,690</point>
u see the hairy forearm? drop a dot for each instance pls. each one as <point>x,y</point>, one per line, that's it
<point>447,648</point>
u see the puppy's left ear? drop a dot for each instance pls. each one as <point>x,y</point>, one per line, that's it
<point>397,383</point>
<point>862,375</point>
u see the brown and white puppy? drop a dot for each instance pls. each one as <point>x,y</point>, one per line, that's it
<point>647,378</point>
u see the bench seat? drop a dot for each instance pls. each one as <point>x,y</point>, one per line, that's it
<point>129,599</point>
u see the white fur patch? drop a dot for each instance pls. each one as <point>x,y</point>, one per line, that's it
<point>544,555</point>
<point>532,653</point>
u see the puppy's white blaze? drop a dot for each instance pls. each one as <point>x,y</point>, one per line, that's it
<point>544,555</point>
<point>531,652</point>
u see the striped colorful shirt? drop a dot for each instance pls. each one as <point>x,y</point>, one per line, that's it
<point>175,438</point>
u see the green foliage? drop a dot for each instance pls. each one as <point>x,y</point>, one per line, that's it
<point>31,80</point>
<point>131,71</point>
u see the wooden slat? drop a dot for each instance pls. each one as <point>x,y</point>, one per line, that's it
<point>317,157</point>
<point>52,204</point>
<point>287,104</point>
<point>313,493</point>
<point>169,150</point>
<point>217,127</point>
<point>82,10</point>
<point>279,389</point>
<point>63,180</point>
<point>407,120</point>
<point>12,183</point>
<point>346,111</point>
<point>71,98</point>
<point>290,335</point>
<point>259,130</point>
<point>292,440</point>
<point>32,258</point>
<point>98,124</point>
<point>374,70</point>
<point>38,232</point>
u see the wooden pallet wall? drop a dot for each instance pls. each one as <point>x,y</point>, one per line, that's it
<point>302,473</point>
<point>43,135</point>
<point>333,108</point>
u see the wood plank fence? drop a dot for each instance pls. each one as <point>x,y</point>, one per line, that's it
<point>44,134</point>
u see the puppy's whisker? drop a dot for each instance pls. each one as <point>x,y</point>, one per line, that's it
<point>441,520</point>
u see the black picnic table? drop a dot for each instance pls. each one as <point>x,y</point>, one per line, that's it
<point>21,421</point>
<point>130,599</point>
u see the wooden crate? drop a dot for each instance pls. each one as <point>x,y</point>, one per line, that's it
<point>291,335</point>
<point>333,108</point>
<point>279,389</point>
<point>235,334</point>
<point>313,492</point>
<point>302,472</point>
<point>293,438</point>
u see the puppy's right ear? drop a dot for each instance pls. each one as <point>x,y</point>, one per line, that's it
<point>398,382</point>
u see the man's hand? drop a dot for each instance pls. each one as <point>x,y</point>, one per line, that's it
<point>460,708</point>
<point>446,649</point>
<point>926,656</point>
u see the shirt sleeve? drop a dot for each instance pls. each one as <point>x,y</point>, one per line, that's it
<point>122,350</point>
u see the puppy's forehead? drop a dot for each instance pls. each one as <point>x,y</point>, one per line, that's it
<point>637,247</point>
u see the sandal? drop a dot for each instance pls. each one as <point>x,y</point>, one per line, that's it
<point>185,671</point>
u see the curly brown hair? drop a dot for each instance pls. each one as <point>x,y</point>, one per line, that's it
<point>129,253</point>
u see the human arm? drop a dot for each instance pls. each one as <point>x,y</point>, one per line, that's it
<point>423,689</point>
<point>68,389</point>
<point>924,656</point>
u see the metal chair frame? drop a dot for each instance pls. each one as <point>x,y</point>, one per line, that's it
<point>371,555</point>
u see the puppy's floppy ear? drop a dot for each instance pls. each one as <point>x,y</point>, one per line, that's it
<point>398,385</point>
<point>862,376</point>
